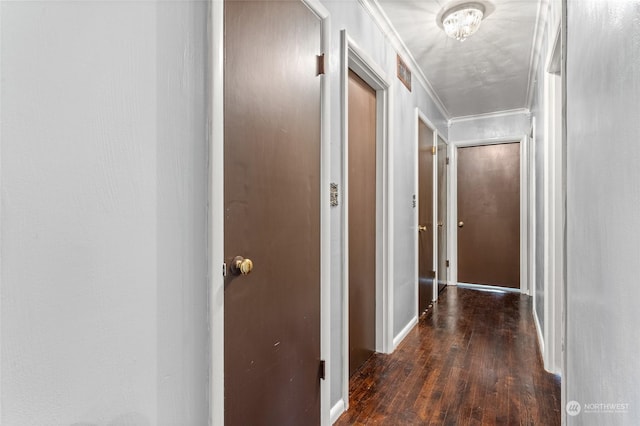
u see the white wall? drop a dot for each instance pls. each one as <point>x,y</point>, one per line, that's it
<point>603,201</point>
<point>363,30</point>
<point>103,184</point>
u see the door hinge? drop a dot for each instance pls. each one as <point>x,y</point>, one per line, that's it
<point>224,269</point>
<point>323,369</point>
<point>433,150</point>
<point>447,160</point>
<point>447,263</point>
<point>320,69</point>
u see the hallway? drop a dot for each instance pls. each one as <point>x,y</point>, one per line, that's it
<point>473,359</point>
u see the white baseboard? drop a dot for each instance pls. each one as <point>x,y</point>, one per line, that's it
<point>400,337</point>
<point>490,288</point>
<point>539,333</point>
<point>336,411</point>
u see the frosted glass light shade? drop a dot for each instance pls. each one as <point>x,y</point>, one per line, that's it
<point>462,21</point>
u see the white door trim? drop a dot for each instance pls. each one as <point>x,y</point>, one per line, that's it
<point>436,206</point>
<point>216,214</point>
<point>366,68</point>
<point>554,212</point>
<point>325,212</point>
<point>524,217</point>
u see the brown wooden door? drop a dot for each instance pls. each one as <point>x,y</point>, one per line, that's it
<point>362,221</point>
<point>426,270</point>
<point>489,215</point>
<point>443,165</point>
<point>272,213</point>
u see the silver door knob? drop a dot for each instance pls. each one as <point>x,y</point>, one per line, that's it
<point>460,224</point>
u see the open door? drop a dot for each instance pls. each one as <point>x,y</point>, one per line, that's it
<point>443,171</point>
<point>362,221</point>
<point>426,270</point>
<point>272,214</point>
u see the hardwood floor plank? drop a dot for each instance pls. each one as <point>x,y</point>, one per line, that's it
<point>471,360</point>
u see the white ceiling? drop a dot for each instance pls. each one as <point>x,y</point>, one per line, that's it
<point>488,72</point>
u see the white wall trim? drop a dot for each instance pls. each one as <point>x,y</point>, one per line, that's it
<point>1,192</point>
<point>553,212</point>
<point>452,197</point>
<point>216,214</point>
<point>525,286</point>
<point>325,212</point>
<point>336,411</point>
<point>536,321</point>
<point>534,57</point>
<point>489,115</point>
<point>352,57</point>
<point>524,218</point>
<point>383,22</point>
<point>532,212</point>
<point>404,332</point>
<point>490,288</point>
<point>436,206</point>
<point>416,210</point>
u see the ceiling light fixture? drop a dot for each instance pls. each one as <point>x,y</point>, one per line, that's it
<point>463,20</point>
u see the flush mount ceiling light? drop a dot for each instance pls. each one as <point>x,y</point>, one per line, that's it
<point>463,20</point>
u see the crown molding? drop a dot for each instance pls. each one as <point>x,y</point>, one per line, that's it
<point>489,115</point>
<point>382,20</point>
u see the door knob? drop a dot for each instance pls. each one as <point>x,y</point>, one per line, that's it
<point>241,266</point>
<point>422,228</point>
<point>441,224</point>
<point>460,224</point>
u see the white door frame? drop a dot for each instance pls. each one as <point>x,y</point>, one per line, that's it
<point>216,214</point>
<point>524,203</point>
<point>354,58</point>
<point>420,116</point>
<point>436,206</point>
<point>554,210</point>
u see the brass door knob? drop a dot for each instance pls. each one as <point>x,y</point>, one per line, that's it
<point>241,266</point>
<point>422,228</point>
<point>460,224</point>
<point>441,224</point>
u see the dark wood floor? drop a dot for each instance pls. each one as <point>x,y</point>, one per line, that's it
<point>472,360</point>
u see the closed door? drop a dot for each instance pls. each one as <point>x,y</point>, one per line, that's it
<point>489,215</point>
<point>443,166</point>
<point>272,214</point>
<point>426,270</point>
<point>362,221</point>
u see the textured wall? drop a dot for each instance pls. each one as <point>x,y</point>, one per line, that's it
<point>103,173</point>
<point>603,201</point>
